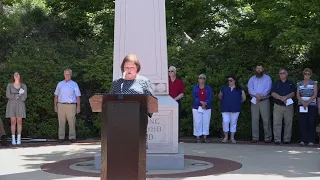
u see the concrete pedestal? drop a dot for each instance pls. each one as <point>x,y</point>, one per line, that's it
<point>140,28</point>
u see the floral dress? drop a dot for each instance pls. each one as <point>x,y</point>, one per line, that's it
<point>16,101</point>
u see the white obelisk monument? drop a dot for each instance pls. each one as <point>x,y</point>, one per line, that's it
<point>140,28</point>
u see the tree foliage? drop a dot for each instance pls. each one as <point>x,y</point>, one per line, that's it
<point>41,38</point>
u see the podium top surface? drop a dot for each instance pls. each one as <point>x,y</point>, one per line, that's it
<point>99,99</point>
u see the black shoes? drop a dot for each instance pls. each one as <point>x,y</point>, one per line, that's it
<point>62,140</point>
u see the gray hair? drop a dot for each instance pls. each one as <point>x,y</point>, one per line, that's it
<point>282,69</point>
<point>68,70</point>
<point>172,68</point>
<point>202,76</point>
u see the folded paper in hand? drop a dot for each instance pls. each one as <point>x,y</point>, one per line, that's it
<point>254,100</point>
<point>21,91</point>
<point>289,102</point>
<point>200,109</point>
<point>302,110</point>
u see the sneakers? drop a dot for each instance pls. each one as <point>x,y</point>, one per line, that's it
<point>18,139</point>
<point>309,144</point>
<point>13,141</point>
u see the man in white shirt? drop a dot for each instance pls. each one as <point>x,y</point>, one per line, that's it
<point>67,105</point>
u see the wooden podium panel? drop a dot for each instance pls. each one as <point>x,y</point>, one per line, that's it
<point>123,134</point>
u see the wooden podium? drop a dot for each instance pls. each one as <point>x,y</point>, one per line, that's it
<point>123,134</point>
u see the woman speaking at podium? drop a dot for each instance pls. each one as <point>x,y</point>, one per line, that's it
<point>131,82</point>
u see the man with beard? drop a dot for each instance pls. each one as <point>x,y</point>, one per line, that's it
<point>259,87</point>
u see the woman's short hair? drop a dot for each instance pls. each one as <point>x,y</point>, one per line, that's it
<point>131,58</point>
<point>202,76</point>
<point>307,70</point>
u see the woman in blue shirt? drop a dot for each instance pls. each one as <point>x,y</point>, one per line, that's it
<point>231,96</point>
<point>201,108</point>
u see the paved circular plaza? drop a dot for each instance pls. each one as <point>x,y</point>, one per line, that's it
<point>194,166</point>
<point>48,161</point>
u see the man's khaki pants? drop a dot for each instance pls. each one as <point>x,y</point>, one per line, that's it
<point>2,132</point>
<point>279,113</point>
<point>263,108</point>
<point>67,112</point>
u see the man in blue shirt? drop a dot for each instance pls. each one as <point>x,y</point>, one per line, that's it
<point>282,92</point>
<point>67,105</point>
<point>259,87</point>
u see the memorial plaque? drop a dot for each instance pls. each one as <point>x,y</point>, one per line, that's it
<point>162,128</point>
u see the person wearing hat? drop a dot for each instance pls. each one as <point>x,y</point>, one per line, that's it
<point>176,87</point>
<point>201,108</point>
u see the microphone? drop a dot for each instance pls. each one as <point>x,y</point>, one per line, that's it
<point>123,76</point>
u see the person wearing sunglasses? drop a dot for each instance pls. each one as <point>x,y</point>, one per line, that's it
<point>307,90</point>
<point>259,87</point>
<point>176,87</point>
<point>282,92</point>
<point>231,97</point>
<point>201,108</point>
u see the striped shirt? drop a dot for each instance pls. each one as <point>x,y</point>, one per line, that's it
<point>306,91</point>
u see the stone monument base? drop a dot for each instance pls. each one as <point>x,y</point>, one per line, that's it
<point>165,161</point>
